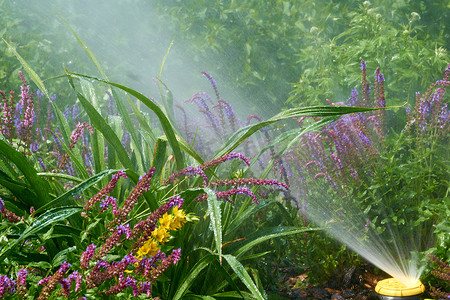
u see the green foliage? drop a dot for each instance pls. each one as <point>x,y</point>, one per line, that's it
<point>315,45</point>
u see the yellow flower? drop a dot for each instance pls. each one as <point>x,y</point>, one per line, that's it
<point>160,234</point>
<point>150,248</point>
<point>179,218</point>
<point>165,221</point>
<point>178,213</point>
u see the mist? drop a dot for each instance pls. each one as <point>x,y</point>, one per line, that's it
<point>130,41</point>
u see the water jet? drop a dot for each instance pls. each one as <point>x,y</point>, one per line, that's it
<point>394,289</point>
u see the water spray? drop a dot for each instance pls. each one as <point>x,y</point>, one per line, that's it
<point>393,289</point>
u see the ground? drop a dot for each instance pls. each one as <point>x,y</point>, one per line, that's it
<point>356,283</point>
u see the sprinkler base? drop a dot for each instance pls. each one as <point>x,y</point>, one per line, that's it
<point>392,289</point>
<point>384,297</point>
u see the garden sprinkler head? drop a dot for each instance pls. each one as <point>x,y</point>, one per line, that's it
<point>393,289</point>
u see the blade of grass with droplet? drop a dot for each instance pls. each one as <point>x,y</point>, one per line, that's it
<point>215,216</point>
<point>243,275</point>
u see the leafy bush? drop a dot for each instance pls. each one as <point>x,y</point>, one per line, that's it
<point>314,45</point>
<point>383,188</point>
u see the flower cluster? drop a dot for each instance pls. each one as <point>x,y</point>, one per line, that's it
<point>74,138</point>
<point>51,282</point>
<point>249,181</point>
<point>18,122</point>
<point>430,115</point>
<point>21,282</point>
<point>148,231</point>
<point>186,172</point>
<point>346,145</point>
<point>7,285</point>
<point>442,272</point>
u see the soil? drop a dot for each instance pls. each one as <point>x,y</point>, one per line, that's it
<point>356,283</point>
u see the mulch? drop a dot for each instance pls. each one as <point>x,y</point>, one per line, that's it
<point>356,283</point>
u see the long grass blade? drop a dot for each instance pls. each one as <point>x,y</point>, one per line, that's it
<point>268,234</point>
<point>76,190</point>
<point>39,186</point>
<point>239,269</point>
<point>164,121</point>
<point>313,111</point>
<point>192,275</point>
<point>108,133</point>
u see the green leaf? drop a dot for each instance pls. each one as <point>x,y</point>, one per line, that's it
<point>159,157</point>
<point>48,218</point>
<point>312,111</point>
<point>19,189</point>
<point>39,186</point>
<point>99,123</point>
<point>76,190</point>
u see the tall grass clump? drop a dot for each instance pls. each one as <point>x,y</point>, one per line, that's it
<point>97,202</point>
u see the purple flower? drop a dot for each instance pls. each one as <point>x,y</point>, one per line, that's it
<point>86,256</point>
<point>124,229</point>
<point>51,281</point>
<point>224,158</point>
<point>76,134</point>
<point>142,186</point>
<point>107,202</point>
<point>7,285</point>
<point>21,283</point>
<point>105,191</point>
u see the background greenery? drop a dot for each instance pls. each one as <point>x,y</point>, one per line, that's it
<point>274,55</point>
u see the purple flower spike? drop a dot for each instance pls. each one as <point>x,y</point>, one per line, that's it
<point>86,256</point>
<point>186,172</point>
<point>239,190</point>
<point>224,158</point>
